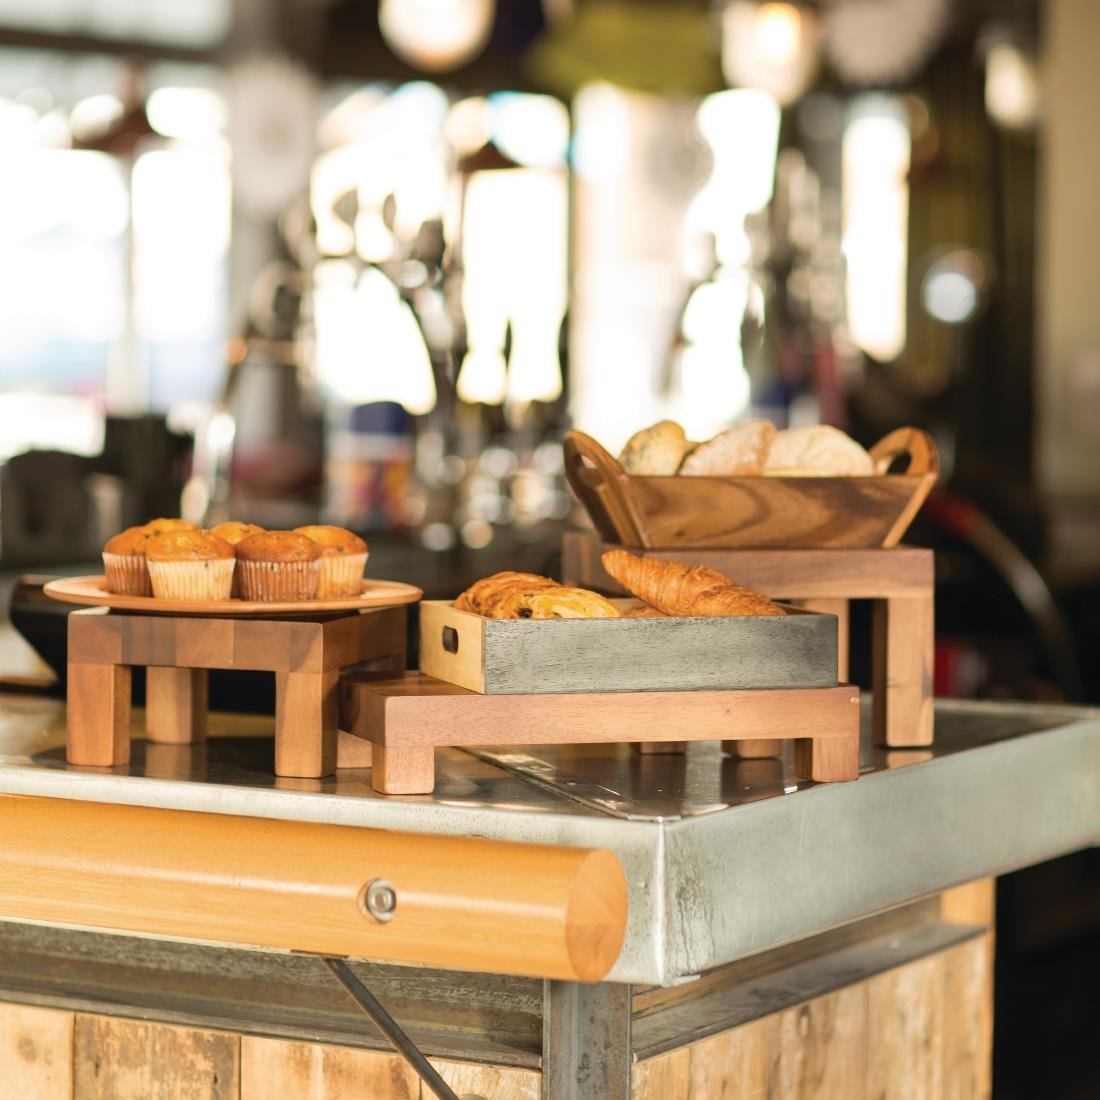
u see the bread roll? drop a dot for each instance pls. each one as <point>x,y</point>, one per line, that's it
<point>480,597</point>
<point>820,451</point>
<point>738,452</point>
<point>656,451</point>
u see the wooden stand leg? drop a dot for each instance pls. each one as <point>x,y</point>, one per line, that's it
<point>98,716</point>
<point>352,751</point>
<point>839,608</point>
<point>306,705</point>
<point>659,748</point>
<point>175,704</point>
<point>403,771</point>
<point>755,749</point>
<point>903,640</point>
<point>827,759</point>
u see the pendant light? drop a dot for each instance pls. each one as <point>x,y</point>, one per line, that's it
<point>436,36</point>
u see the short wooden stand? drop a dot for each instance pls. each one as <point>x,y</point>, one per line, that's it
<point>306,655</point>
<point>404,719</point>
<point>899,581</point>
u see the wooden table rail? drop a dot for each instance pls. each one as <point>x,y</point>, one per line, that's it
<point>452,902</point>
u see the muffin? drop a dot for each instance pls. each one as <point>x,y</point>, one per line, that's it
<point>343,556</point>
<point>124,563</point>
<point>233,532</point>
<point>278,565</point>
<point>185,564</point>
<point>166,526</point>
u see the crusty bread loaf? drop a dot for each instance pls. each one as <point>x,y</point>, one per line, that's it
<point>738,452</point>
<point>820,451</point>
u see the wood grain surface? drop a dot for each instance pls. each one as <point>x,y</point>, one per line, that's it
<point>408,716</point>
<point>119,1059</point>
<point>552,912</point>
<point>306,656</point>
<point>36,1052</point>
<point>781,574</point>
<point>754,512</point>
<point>543,657</point>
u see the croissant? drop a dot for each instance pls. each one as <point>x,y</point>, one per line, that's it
<point>554,603</point>
<point>481,596</point>
<point>644,612</point>
<point>679,589</point>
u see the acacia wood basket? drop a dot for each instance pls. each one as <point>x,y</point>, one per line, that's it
<point>740,513</point>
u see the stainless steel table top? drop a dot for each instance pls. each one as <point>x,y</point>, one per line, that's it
<point>724,857</point>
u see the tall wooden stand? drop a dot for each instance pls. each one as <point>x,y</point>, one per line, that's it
<point>306,655</point>
<point>899,581</point>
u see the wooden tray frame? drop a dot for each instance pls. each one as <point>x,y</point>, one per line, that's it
<point>899,582</point>
<point>394,725</point>
<point>306,655</point>
<point>719,513</point>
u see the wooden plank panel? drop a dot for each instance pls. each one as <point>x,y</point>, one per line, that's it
<point>117,1059</point>
<point>968,1020</point>
<point>272,1069</point>
<point>905,1031</point>
<point>666,1077</point>
<point>489,1082</point>
<point>36,1052</point>
<point>819,1050</point>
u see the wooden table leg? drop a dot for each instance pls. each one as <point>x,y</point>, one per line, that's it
<point>903,642</point>
<point>403,771</point>
<point>659,748</point>
<point>306,712</point>
<point>827,759</point>
<point>756,749</point>
<point>175,704</point>
<point>98,715</point>
<point>352,751</point>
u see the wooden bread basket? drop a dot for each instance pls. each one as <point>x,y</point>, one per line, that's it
<point>735,513</point>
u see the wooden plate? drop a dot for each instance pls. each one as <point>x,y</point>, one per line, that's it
<point>92,590</point>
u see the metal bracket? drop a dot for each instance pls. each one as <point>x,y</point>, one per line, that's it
<point>389,1027</point>
<point>586,1041</point>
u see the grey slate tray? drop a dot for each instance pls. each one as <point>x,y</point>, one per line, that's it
<point>567,656</point>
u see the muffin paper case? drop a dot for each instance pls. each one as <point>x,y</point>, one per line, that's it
<point>278,580</point>
<point>206,579</point>
<point>127,574</point>
<point>341,575</point>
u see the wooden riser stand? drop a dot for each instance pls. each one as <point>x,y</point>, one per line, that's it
<point>306,655</point>
<point>394,725</point>
<point>898,581</point>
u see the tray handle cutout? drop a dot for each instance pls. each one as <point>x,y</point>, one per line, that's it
<point>911,442</point>
<point>597,479</point>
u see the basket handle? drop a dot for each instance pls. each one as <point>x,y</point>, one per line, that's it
<point>595,478</point>
<point>917,444</point>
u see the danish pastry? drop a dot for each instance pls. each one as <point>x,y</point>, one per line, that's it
<point>554,603</point>
<point>480,597</point>
<point>656,451</point>
<point>738,452</point>
<point>679,589</point>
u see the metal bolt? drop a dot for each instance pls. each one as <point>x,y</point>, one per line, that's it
<point>380,900</point>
